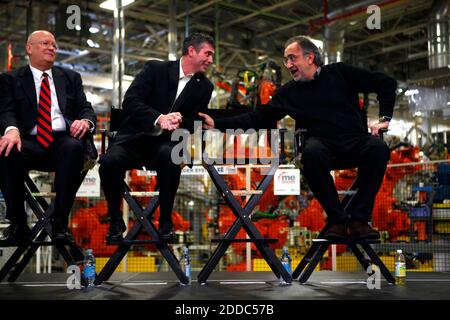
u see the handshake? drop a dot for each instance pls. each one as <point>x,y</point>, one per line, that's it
<point>172,121</point>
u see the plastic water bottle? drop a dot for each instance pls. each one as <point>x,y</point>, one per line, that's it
<point>400,268</point>
<point>89,269</point>
<point>286,262</point>
<point>187,264</point>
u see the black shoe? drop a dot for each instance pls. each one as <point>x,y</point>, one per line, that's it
<point>60,232</point>
<point>336,231</point>
<point>362,230</point>
<point>116,228</point>
<point>15,234</point>
<point>168,237</point>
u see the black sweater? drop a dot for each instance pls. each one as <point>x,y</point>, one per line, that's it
<point>327,106</point>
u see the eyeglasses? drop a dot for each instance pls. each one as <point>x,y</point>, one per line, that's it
<point>47,44</point>
<point>292,58</point>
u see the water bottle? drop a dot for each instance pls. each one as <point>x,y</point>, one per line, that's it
<point>89,269</point>
<point>187,264</point>
<point>286,262</point>
<point>400,268</point>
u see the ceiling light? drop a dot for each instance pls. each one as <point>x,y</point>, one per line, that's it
<point>111,4</point>
<point>411,92</point>
<point>94,29</point>
<point>92,43</point>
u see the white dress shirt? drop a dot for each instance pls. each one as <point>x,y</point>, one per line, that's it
<point>183,79</point>
<point>58,122</point>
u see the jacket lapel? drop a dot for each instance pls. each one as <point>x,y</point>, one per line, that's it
<point>190,87</point>
<point>174,73</point>
<point>60,86</point>
<point>27,83</point>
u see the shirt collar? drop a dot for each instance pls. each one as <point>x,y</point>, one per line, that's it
<point>182,75</point>
<point>318,70</point>
<point>38,73</point>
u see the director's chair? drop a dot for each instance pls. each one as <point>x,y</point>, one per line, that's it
<point>243,220</point>
<point>320,245</point>
<point>143,222</point>
<point>69,250</point>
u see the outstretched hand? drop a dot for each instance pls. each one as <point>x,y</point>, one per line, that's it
<point>208,122</point>
<point>375,128</point>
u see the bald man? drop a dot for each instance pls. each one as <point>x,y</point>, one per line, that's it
<point>47,124</point>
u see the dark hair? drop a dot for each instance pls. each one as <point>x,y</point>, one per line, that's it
<point>196,40</point>
<point>307,47</point>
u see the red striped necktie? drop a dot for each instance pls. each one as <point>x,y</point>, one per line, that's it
<point>44,118</point>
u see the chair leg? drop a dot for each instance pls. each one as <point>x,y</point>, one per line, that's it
<point>307,258</point>
<point>243,219</point>
<point>376,260</point>
<point>359,255</point>
<point>112,264</point>
<point>143,218</point>
<point>11,262</point>
<point>163,247</point>
<point>219,252</point>
<point>115,259</point>
<point>313,263</point>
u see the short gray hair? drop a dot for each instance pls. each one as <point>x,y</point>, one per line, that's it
<point>196,40</point>
<point>307,47</point>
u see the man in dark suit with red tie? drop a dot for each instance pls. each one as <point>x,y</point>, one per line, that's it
<point>46,123</point>
<point>164,96</point>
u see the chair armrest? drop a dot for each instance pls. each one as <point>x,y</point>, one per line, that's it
<point>382,132</point>
<point>103,133</point>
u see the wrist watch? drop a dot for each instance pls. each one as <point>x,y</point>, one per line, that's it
<point>384,119</point>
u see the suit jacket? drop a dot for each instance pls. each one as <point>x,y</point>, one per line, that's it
<point>153,92</point>
<point>19,105</point>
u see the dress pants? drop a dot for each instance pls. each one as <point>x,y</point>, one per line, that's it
<point>64,156</point>
<point>153,152</point>
<point>321,155</point>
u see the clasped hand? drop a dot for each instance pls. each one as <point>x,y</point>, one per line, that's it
<point>170,121</point>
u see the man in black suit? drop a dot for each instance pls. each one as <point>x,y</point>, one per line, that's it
<point>46,124</point>
<point>324,100</point>
<point>164,96</point>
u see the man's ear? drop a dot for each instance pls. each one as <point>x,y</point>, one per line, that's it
<point>28,48</point>
<point>311,58</point>
<point>191,51</point>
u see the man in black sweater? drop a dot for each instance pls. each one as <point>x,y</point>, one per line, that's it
<point>324,100</point>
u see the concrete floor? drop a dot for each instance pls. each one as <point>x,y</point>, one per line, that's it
<point>323,285</point>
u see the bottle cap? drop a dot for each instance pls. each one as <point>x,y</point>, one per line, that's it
<point>89,251</point>
<point>399,251</point>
